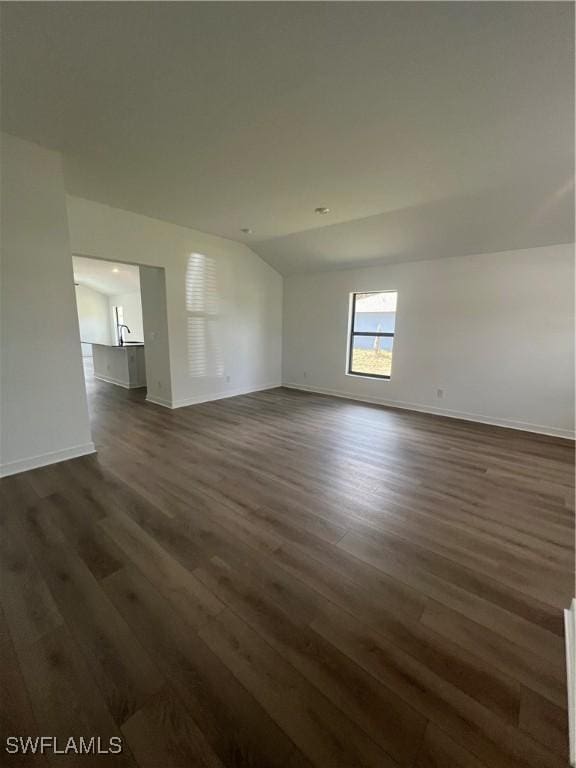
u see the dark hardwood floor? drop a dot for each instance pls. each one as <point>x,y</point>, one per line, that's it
<point>284,579</point>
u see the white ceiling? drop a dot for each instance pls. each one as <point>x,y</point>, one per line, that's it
<point>429,129</point>
<point>106,276</point>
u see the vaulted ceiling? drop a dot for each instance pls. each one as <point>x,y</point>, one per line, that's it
<point>428,129</point>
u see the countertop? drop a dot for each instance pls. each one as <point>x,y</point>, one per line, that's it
<point>127,345</point>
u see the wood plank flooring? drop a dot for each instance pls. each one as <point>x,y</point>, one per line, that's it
<point>284,579</point>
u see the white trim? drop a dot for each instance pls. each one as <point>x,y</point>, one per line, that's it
<point>110,380</point>
<point>508,423</point>
<point>159,401</point>
<point>570,631</point>
<point>206,398</point>
<point>52,457</point>
<point>222,395</point>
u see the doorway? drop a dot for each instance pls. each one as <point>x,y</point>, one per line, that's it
<point>110,318</point>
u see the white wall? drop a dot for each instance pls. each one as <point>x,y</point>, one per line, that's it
<point>156,339</point>
<point>495,332</point>
<point>43,405</point>
<point>131,304</point>
<point>93,317</point>
<point>231,345</point>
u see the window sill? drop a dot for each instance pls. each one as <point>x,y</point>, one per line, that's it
<point>376,377</point>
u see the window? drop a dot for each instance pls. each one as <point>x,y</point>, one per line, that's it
<point>372,323</point>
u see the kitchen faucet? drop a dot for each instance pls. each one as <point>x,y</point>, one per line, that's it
<point>120,337</point>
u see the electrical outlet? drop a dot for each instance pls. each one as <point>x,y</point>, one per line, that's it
<point>228,379</point>
<point>440,394</point>
<point>305,374</point>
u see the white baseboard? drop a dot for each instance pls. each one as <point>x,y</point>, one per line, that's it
<point>198,399</point>
<point>53,457</point>
<point>159,401</point>
<point>110,380</point>
<point>570,630</point>
<point>508,423</point>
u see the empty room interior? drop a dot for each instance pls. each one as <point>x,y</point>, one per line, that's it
<point>287,385</point>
